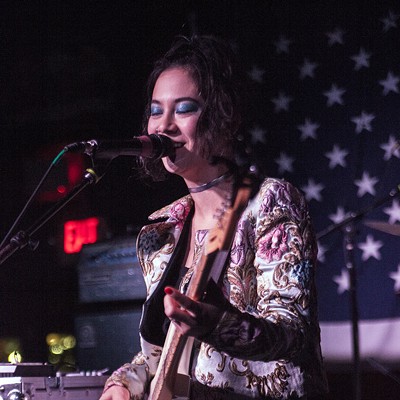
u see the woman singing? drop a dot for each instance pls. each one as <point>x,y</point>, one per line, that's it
<point>256,334</point>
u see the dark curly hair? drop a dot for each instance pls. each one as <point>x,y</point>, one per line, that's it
<point>213,66</point>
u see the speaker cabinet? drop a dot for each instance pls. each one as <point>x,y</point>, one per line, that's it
<point>107,339</point>
<point>111,294</point>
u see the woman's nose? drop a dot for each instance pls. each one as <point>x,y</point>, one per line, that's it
<point>167,125</point>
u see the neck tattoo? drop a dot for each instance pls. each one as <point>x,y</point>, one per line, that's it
<point>210,184</point>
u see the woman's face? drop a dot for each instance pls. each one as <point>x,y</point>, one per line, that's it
<point>176,107</point>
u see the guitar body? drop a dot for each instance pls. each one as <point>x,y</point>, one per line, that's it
<point>164,383</point>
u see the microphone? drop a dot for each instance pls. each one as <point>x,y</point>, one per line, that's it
<point>149,146</point>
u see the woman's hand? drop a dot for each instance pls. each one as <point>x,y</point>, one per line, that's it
<point>193,318</point>
<point>116,393</point>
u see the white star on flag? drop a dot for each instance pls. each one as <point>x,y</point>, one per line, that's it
<point>390,84</point>
<point>321,252</point>
<point>337,157</point>
<point>343,281</point>
<point>334,95</point>
<point>282,45</point>
<point>257,135</point>
<point>281,102</point>
<point>396,277</point>
<point>370,248</point>
<point>313,190</point>
<point>307,69</point>
<point>257,74</point>
<point>361,59</point>
<point>389,21</point>
<point>339,216</point>
<point>393,212</point>
<point>392,148</point>
<point>285,163</point>
<point>308,129</point>
<point>363,122</point>
<point>366,184</point>
<point>335,36</point>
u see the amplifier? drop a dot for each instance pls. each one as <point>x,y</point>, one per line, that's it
<point>107,338</point>
<point>64,387</point>
<point>109,272</point>
<point>111,294</point>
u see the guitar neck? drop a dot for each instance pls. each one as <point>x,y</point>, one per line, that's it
<point>163,383</point>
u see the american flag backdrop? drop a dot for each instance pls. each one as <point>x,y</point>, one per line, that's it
<point>325,95</point>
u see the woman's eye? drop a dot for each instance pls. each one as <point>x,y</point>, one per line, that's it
<point>187,107</point>
<point>155,110</point>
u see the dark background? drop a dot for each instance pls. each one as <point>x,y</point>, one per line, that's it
<point>76,70</point>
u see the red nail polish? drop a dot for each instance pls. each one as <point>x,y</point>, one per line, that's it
<point>168,290</point>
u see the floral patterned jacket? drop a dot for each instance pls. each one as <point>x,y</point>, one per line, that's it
<point>267,344</point>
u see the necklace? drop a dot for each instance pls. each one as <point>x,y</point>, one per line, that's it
<point>210,184</point>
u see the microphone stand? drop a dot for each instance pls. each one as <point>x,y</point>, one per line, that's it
<point>24,238</point>
<point>348,227</point>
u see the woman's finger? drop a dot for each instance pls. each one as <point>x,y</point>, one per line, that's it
<point>186,303</point>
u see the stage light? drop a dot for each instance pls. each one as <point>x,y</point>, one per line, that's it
<point>15,357</point>
<point>68,342</point>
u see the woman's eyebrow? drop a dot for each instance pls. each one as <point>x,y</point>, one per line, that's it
<point>186,99</point>
<point>180,99</point>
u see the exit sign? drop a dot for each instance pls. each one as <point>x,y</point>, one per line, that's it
<point>80,232</point>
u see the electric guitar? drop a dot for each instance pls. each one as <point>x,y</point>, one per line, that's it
<point>211,267</point>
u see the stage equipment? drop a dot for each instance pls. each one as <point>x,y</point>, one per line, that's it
<point>35,381</point>
<point>148,146</point>
<point>111,294</point>
<point>110,271</point>
<point>349,231</point>
<point>392,229</point>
